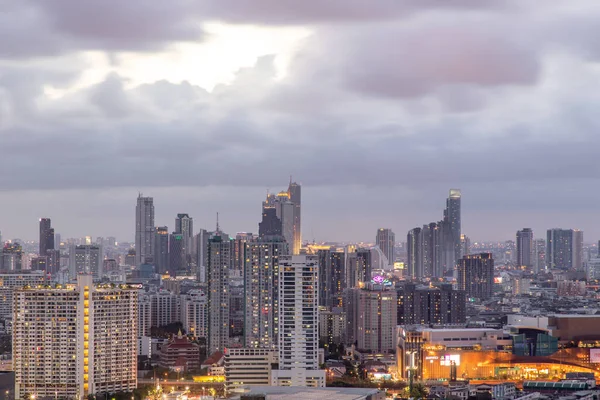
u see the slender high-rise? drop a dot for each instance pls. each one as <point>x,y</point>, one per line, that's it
<point>46,236</point>
<point>577,250</point>
<point>220,262</point>
<point>385,239</point>
<point>298,323</point>
<point>525,248</point>
<point>261,290</point>
<point>295,195</point>
<point>452,216</point>
<point>414,248</point>
<point>161,249</point>
<point>144,230</point>
<point>559,248</point>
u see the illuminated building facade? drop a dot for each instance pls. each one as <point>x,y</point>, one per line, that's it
<point>431,305</point>
<point>476,275</point>
<point>71,342</point>
<point>332,275</point>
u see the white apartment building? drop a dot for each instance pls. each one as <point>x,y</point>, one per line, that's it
<point>248,367</point>
<point>298,323</point>
<point>194,316</point>
<point>76,340</point>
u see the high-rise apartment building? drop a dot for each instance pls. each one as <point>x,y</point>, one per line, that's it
<point>74,342</point>
<point>194,316</point>
<point>261,290</point>
<point>332,278</point>
<point>144,230</point>
<point>414,249</point>
<point>177,258</point>
<point>564,249</point>
<point>431,305</point>
<point>386,239</point>
<point>298,323</point>
<point>525,248</point>
<point>161,249</point>
<point>86,259</point>
<point>201,254</point>
<point>220,261</point>
<point>11,257</point>
<point>46,236</point>
<point>476,275</point>
<point>184,225</point>
<point>372,313</point>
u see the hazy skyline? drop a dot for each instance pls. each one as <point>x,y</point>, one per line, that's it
<point>377,108</point>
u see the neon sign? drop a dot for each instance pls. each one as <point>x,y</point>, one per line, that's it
<point>381,280</point>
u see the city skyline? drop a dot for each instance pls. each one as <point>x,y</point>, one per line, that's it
<point>264,92</point>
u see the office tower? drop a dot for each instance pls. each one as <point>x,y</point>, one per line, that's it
<point>332,278</point>
<point>295,195</point>
<point>184,225</point>
<point>11,258</point>
<point>261,290</point>
<point>452,216</point>
<point>559,248</point>
<point>270,224</point>
<point>201,254</point>
<point>161,249</point>
<point>431,305</point>
<point>577,250</point>
<point>286,220</point>
<point>386,239</point>
<point>373,313</point>
<point>46,236</point>
<point>220,260</point>
<point>476,275</point>
<point>298,323</point>
<point>144,230</point>
<point>194,316</point>
<point>414,250</point>
<point>86,259</point>
<point>74,343</point>
<point>525,250</point>
<point>176,253</point>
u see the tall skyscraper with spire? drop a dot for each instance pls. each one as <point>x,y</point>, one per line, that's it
<point>144,230</point>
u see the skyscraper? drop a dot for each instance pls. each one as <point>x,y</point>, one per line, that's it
<point>386,239</point>
<point>577,250</point>
<point>177,258</point>
<point>298,323</point>
<point>220,261</point>
<point>270,224</point>
<point>332,278</point>
<point>201,254</point>
<point>46,236</point>
<point>525,248</point>
<point>161,249</point>
<point>295,195</point>
<point>74,343</point>
<point>415,258</point>
<point>184,225</point>
<point>476,275</point>
<point>559,248</point>
<point>261,290</point>
<point>144,230</point>
<point>452,216</point>
<point>86,259</point>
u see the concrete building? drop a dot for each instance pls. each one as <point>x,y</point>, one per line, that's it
<point>194,315</point>
<point>248,367</point>
<point>332,326</point>
<point>431,305</point>
<point>71,342</point>
<point>261,290</point>
<point>386,240</point>
<point>476,275</point>
<point>525,248</point>
<point>220,261</point>
<point>144,230</point>
<point>161,249</point>
<point>298,323</point>
<point>332,278</point>
<point>86,259</point>
<point>184,225</point>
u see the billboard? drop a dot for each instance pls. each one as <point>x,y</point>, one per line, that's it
<point>595,355</point>
<point>450,359</point>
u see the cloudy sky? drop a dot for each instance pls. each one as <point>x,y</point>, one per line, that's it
<point>376,107</point>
